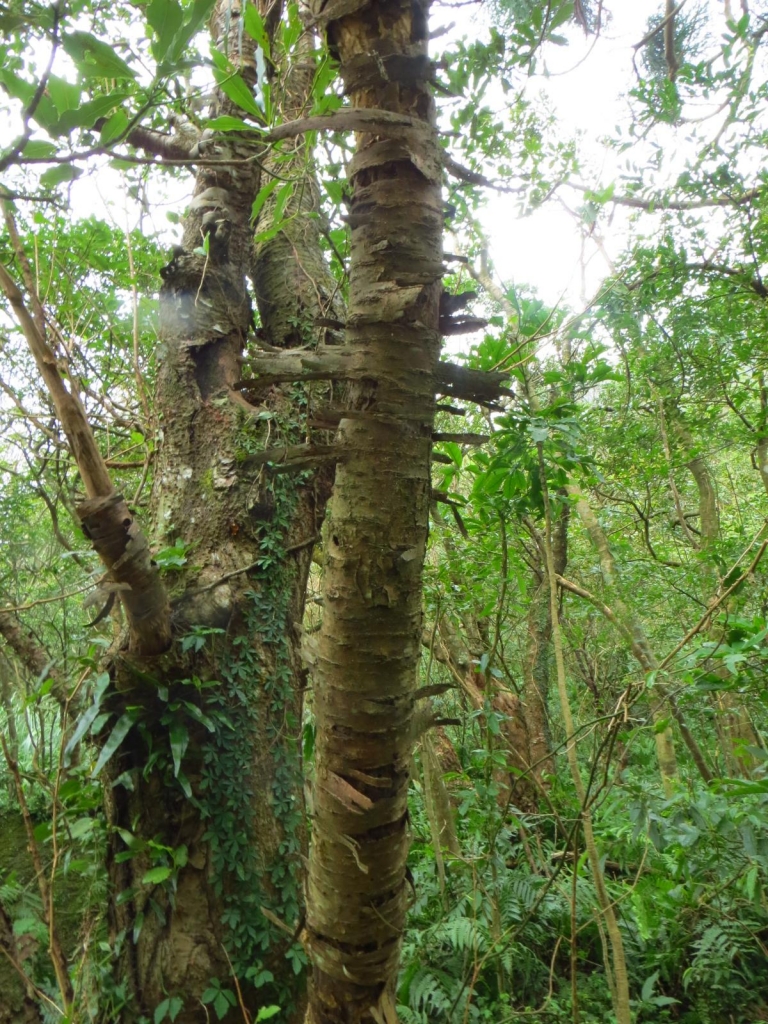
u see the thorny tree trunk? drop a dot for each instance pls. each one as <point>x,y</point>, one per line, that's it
<point>368,648</point>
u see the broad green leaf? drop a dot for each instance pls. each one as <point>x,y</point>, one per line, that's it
<point>235,87</point>
<point>166,18</point>
<point>197,16</point>
<point>65,95</point>
<point>87,114</point>
<point>37,148</point>
<point>156,875</point>
<point>95,58</point>
<point>114,127</point>
<point>226,123</point>
<point>57,175</point>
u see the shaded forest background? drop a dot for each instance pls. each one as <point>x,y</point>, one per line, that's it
<point>588,801</point>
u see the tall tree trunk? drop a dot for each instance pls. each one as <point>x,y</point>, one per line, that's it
<point>204,806</point>
<point>253,533</point>
<point>368,648</point>
<point>536,663</point>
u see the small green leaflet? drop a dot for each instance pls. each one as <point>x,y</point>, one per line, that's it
<point>170,1008</point>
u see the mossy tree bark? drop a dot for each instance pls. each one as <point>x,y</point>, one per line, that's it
<point>366,655</point>
<point>204,806</point>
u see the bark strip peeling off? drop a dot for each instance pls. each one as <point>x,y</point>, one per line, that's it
<point>365,658</point>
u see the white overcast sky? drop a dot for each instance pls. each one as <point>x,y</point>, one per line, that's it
<point>587,85</point>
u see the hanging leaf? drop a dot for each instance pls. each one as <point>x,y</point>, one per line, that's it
<point>179,737</point>
<point>57,175</point>
<point>114,128</point>
<point>235,87</point>
<point>116,737</point>
<point>166,18</point>
<point>95,58</point>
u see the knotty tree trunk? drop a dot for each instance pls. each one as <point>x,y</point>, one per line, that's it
<point>204,793</point>
<point>366,654</point>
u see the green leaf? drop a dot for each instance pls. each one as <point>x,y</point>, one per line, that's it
<point>221,1004</point>
<point>226,123</point>
<point>116,737</point>
<point>254,26</point>
<point>265,1012</point>
<point>200,716</point>
<point>95,58</point>
<point>86,115</point>
<point>648,986</point>
<point>84,723</point>
<point>186,788</point>
<point>156,875</point>
<point>235,87</point>
<point>179,736</point>
<point>58,175</point>
<point>114,128</point>
<point>262,197</point>
<point>65,95</point>
<point>37,148</point>
<point>166,18</point>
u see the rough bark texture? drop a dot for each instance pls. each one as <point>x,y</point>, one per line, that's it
<point>367,651</point>
<point>251,535</point>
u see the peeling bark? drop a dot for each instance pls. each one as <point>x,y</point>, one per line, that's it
<point>366,655</point>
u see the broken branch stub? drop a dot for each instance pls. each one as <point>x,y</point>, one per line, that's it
<point>117,539</point>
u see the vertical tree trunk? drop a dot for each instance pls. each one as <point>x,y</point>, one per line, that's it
<point>368,648</point>
<point>204,803</point>
<point>536,664</point>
